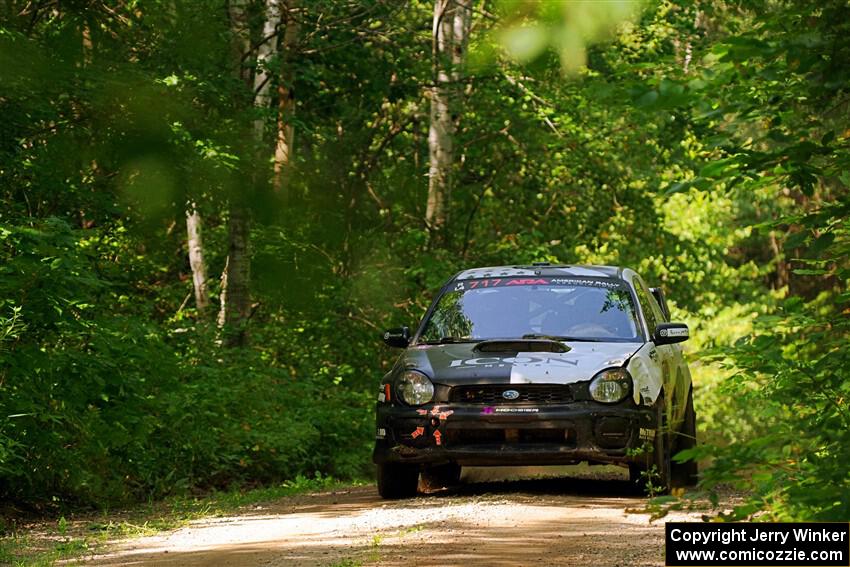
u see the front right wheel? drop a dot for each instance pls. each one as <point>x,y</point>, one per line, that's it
<point>396,480</point>
<point>686,474</point>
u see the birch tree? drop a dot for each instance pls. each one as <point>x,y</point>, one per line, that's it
<point>266,52</point>
<point>196,258</point>
<point>280,19</point>
<point>286,99</point>
<point>450,33</point>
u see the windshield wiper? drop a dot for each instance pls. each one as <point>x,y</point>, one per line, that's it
<point>450,340</point>
<point>562,338</point>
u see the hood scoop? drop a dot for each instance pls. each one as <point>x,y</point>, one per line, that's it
<point>521,345</point>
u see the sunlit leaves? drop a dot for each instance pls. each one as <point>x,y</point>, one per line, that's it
<point>529,28</point>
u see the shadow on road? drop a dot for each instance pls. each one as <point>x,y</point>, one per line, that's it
<point>566,486</point>
<point>553,481</point>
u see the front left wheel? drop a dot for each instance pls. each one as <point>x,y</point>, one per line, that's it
<point>654,474</point>
<point>397,480</point>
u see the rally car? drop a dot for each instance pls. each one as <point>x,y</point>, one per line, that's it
<point>537,365</point>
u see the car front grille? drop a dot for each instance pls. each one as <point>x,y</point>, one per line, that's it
<point>492,395</point>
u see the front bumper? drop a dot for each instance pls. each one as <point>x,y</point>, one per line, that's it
<point>512,435</point>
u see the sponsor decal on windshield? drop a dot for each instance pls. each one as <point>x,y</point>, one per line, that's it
<point>495,282</point>
<point>504,282</point>
<point>608,284</point>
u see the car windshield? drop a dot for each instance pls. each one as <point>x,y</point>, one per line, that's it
<point>581,309</point>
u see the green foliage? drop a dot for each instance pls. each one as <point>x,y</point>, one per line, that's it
<point>703,144</point>
<point>152,409</point>
<point>777,79</point>
<point>528,28</point>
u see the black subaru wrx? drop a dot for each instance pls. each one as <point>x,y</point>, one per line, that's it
<point>536,365</point>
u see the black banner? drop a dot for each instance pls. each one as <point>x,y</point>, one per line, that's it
<point>808,544</point>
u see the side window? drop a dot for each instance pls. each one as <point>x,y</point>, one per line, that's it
<point>646,306</point>
<point>661,302</point>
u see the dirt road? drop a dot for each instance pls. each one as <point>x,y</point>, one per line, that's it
<point>573,520</point>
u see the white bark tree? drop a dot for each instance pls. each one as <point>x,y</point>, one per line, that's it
<point>286,99</point>
<point>196,258</point>
<point>450,33</point>
<point>266,52</point>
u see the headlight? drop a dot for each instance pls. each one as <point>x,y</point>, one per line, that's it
<point>610,386</point>
<point>414,388</point>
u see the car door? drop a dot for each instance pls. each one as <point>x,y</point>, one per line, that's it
<point>679,374</point>
<point>664,355</point>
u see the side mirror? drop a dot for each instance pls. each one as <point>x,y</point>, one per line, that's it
<point>669,333</point>
<point>398,337</point>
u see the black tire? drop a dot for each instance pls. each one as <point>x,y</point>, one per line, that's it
<point>655,470</point>
<point>397,480</point>
<point>440,476</point>
<point>637,480</point>
<point>687,473</point>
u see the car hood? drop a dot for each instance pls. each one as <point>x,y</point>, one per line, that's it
<point>455,364</point>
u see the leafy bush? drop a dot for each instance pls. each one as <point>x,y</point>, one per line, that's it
<point>101,404</point>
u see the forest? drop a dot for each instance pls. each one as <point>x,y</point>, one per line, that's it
<point>212,209</point>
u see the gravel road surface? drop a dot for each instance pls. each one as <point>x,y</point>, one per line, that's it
<point>579,520</point>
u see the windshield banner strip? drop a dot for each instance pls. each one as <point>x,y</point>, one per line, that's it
<point>507,282</point>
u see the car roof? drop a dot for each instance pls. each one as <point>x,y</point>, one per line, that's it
<point>542,269</point>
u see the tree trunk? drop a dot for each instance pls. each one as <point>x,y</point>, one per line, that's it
<point>241,38</point>
<point>262,79</point>
<point>196,258</point>
<point>235,299</point>
<point>286,101</point>
<point>235,282</point>
<point>450,32</point>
